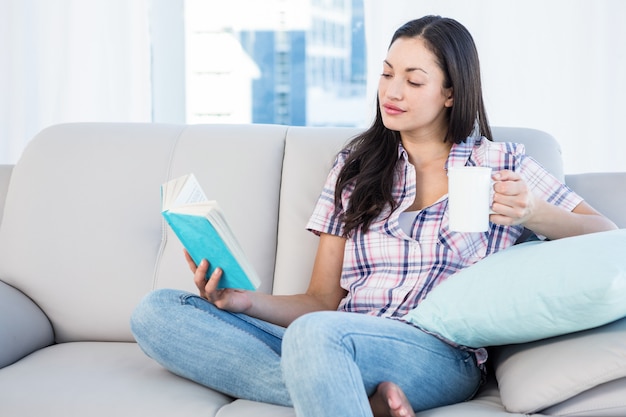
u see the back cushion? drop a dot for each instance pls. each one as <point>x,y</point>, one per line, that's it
<point>240,167</point>
<point>82,233</point>
<point>81,227</point>
<point>5,176</point>
<point>309,155</point>
<point>605,191</point>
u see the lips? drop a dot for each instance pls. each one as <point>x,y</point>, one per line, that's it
<point>391,109</point>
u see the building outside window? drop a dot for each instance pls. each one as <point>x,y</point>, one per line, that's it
<point>291,62</point>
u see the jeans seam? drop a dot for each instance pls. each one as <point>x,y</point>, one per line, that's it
<point>463,355</point>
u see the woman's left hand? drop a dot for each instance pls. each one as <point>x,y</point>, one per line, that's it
<point>513,202</point>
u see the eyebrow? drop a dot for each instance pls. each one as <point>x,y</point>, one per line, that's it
<point>410,69</point>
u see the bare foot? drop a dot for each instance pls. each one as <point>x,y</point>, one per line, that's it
<point>390,401</point>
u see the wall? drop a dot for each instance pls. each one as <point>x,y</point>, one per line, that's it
<point>555,65</point>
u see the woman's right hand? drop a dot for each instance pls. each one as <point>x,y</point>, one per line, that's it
<point>234,300</point>
<point>324,291</point>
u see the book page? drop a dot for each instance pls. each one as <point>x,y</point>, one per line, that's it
<point>181,191</point>
<point>190,193</point>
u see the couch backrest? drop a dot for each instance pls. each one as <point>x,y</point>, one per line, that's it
<point>82,233</point>
<point>605,191</point>
<point>5,176</point>
<point>240,166</point>
<point>309,155</point>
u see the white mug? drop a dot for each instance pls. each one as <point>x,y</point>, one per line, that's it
<point>470,191</point>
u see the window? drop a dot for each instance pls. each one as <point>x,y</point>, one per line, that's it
<point>292,62</point>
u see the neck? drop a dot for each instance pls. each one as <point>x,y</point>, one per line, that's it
<point>424,153</point>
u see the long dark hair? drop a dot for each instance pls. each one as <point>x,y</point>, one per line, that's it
<point>370,166</point>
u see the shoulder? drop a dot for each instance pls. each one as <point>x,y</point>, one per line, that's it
<point>340,160</point>
<point>499,147</point>
<point>505,155</point>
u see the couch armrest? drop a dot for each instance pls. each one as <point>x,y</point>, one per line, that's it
<point>24,328</point>
<point>5,176</point>
<point>605,191</point>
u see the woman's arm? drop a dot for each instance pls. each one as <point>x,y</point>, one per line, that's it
<point>323,293</point>
<point>514,203</point>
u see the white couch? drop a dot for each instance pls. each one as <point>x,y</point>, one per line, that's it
<point>82,240</point>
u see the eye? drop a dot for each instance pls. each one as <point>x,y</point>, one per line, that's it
<point>414,84</point>
<point>386,75</point>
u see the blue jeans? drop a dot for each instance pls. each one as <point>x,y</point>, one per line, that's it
<point>324,364</point>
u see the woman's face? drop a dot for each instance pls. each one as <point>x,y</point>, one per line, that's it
<point>410,91</point>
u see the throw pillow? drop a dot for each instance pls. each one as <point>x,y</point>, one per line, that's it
<point>531,291</point>
<point>549,372</point>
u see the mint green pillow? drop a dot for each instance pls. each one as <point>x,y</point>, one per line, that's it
<point>531,291</point>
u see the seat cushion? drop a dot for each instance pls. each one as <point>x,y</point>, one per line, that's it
<point>100,379</point>
<point>604,400</point>
<point>485,404</point>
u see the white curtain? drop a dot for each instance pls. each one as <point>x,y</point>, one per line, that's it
<point>71,61</point>
<point>557,65</point>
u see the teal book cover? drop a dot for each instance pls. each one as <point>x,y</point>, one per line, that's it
<point>203,230</point>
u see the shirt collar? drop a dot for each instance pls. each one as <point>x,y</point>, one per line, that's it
<point>460,153</point>
<point>402,152</point>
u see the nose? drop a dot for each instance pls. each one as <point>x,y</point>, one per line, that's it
<point>393,89</point>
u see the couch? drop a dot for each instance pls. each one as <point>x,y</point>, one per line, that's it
<point>82,241</point>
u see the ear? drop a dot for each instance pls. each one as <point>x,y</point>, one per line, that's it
<point>449,93</point>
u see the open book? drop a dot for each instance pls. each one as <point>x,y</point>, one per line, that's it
<point>202,229</point>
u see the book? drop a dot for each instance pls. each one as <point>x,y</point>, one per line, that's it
<point>201,227</point>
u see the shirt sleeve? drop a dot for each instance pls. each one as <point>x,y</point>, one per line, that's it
<point>325,217</point>
<point>547,186</point>
<point>510,155</point>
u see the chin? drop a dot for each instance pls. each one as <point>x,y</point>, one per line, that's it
<point>391,124</point>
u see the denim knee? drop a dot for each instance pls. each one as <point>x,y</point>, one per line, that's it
<point>146,316</point>
<point>311,329</point>
<point>308,337</point>
<point>318,367</point>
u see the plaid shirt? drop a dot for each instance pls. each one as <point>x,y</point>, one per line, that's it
<point>387,272</point>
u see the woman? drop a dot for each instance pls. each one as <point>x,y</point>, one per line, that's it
<point>342,348</point>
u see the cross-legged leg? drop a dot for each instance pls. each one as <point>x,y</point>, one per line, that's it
<point>231,353</point>
<point>333,362</point>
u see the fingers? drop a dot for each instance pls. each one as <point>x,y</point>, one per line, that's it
<point>211,284</point>
<point>206,287</point>
<point>512,198</point>
<point>509,186</point>
<point>190,261</point>
<point>508,182</point>
<point>199,276</point>
<point>505,175</point>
